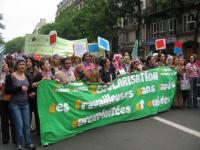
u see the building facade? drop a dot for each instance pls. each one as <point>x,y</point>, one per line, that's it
<point>173,21</point>
<point>67,4</point>
<point>167,19</point>
<point>39,26</point>
<point>127,33</point>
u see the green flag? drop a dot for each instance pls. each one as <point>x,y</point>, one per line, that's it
<point>134,53</point>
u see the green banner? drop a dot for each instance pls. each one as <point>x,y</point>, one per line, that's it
<point>67,110</point>
<point>40,44</point>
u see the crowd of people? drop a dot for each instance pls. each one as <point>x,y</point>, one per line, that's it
<point>20,76</point>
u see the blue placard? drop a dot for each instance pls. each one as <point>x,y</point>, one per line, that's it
<point>93,47</point>
<point>103,43</point>
<point>178,50</point>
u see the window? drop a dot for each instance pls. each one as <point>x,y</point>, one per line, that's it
<point>131,20</point>
<point>189,23</point>
<point>172,27</point>
<point>126,37</point>
<point>164,28</point>
<point>125,21</point>
<point>154,30</point>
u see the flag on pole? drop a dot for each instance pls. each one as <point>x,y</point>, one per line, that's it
<point>134,53</point>
<point>1,56</point>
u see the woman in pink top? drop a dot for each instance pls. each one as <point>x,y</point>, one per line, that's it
<point>87,71</point>
<point>193,75</point>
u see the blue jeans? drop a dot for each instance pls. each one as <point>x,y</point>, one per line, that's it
<point>21,119</point>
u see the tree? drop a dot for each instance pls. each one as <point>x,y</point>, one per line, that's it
<point>93,20</point>
<point>1,41</point>
<point>128,9</point>
<point>47,28</point>
<point>15,46</point>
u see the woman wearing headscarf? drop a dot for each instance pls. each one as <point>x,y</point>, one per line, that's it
<point>117,63</point>
<point>134,67</point>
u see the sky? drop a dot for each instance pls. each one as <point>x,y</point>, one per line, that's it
<point>21,16</point>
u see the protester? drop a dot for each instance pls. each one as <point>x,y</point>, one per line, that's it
<point>10,62</point>
<point>169,61</point>
<point>178,103</point>
<point>155,56</point>
<point>126,63</point>
<point>4,112</point>
<point>193,75</point>
<point>117,63</point>
<point>161,59</point>
<point>105,73</point>
<point>150,63</point>
<point>187,101</point>
<point>45,74</point>
<point>18,84</point>
<point>56,63</point>
<point>65,75</point>
<point>31,72</point>
<point>134,67</point>
<point>87,71</point>
<point>75,61</point>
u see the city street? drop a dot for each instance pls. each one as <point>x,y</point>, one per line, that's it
<point>151,133</point>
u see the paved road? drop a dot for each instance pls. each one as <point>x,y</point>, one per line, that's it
<point>143,134</point>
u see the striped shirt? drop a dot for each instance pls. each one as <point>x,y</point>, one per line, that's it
<point>192,70</point>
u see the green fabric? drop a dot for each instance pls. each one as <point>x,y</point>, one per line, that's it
<point>40,44</point>
<point>67,110</point>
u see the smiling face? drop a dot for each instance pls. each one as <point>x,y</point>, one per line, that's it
<point>29,63</point>
<point>46,66</point>
<point>87,58</point>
